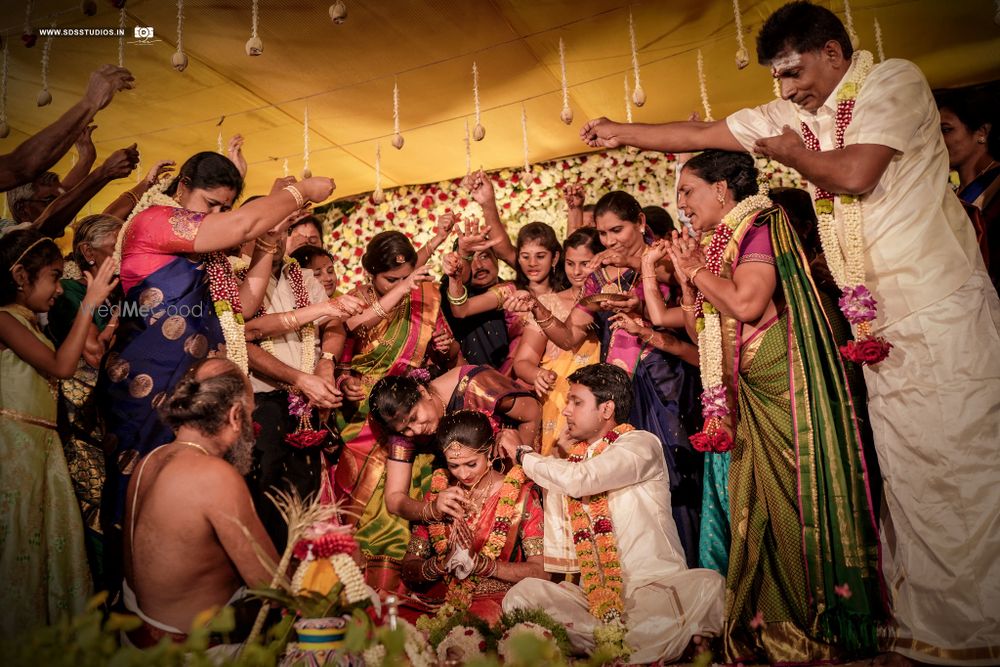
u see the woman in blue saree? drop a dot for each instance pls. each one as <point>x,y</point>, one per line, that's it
<point>183,301</point>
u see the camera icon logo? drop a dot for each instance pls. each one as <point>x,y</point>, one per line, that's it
<point>144,33</point>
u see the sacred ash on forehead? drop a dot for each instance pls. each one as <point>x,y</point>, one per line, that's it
<point>784,61</point>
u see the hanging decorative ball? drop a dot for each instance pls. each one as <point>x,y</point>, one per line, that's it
<point>397,141</point>
<point>255,47</point>
<point>88,7</point>
<point>29,39</point>
<point>378,197</point>
<point>338,12</point>
<point>179,60</point>
<point>567,116</point>
<point>638,96</point>
<point>307,173</point>
<point>4,130</point>
<point>44,98</point>
<point>742,58</point>
<point>478,132</point>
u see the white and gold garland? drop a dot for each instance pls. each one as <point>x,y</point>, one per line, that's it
<point>847,262</point>
<point>307,364</point>
<point>709,326</point>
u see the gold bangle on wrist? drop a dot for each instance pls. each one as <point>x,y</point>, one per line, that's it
<point>294,191</point>
<point>379,310</point>
<point>695,273</point>
<point>545,320</point>
<point>461,298</point>
<point>689,308</point>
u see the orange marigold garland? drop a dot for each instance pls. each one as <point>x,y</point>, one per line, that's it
<point>460,591</point>
<point>597,553</point>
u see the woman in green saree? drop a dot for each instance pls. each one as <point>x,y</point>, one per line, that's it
<point>400,332</point>
<point>785,481</point>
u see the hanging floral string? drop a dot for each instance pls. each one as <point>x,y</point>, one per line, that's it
<point>397,138</point>
<point>478,132</point>
<point>219,145</point>
<point>306,171</point>
<point>703,87</point>
<point>44,96</point>
<point>28,36</point>
<point>638,94</point>
<point>742,55</point>
<point>284,168</point>
<point>254,46</point>
<point>179,60</point>
<point>378,196</point>
<point>4,127</point>
<point>567,113</point>
<point>524,139</point>
<point>849,24</point>
<point>468,149</point>
<point>628,102</point>
<point>878,42</point>
<point>777,87</point>
<point>121,36</point>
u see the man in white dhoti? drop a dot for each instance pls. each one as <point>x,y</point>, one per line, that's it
<point>873,132</point>
<point>637,598</point>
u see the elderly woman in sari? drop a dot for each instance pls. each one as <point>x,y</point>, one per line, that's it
<point>469,562</point>
<point>182,298</point>
<point>81,424</point>
<point>786,463</point>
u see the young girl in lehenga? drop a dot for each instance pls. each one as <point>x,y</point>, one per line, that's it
<point>471,562</point>
<point>543,364</point>
<point>42,554</point>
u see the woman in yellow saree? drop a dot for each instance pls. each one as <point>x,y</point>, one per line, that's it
<point>401,331</point>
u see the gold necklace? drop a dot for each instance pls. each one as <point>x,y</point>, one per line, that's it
<point>984,170</point>
<point>193,444</point>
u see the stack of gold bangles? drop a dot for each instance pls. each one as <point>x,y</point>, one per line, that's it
<point>545,322</point>
<point>266,247</point>
<point>289,320</point>
<point>459,300</point>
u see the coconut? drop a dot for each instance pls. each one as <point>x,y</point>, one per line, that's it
<point>338,12</point>
<point>179,61</point>
<point>255,47</point>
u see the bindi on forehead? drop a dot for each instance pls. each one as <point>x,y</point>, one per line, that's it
<point>785,61</point>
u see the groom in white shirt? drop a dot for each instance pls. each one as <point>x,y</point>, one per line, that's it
<point>658,604</point>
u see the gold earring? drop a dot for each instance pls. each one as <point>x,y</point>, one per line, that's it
<point>722,199</point>
<point>981,140</point>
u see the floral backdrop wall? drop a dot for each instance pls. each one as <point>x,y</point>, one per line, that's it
<point>522,197</point>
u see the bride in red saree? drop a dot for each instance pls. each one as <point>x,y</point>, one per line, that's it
<point>470,563</point>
